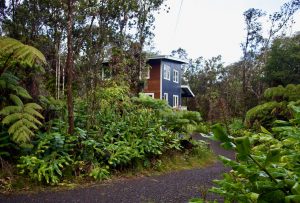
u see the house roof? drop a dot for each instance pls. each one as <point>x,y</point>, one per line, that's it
<point>186,91</point>
<point>166,57</point>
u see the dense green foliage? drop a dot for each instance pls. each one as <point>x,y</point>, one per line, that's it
<point>124,133</point>
<point>275,107</point>
<point>267,166</point>
<point>118,132</point>
<point>112,130</point>
<point>283,64</point>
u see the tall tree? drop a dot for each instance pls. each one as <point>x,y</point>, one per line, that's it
<point>257,44</point>
<point>283,62</point>
<point>69,66</point>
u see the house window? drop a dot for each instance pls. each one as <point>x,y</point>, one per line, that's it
<point>106,73</point>
<point>148,73</point>
<point>166,96</point>
<point>167,73</point>
<point>175,101</point>
<point>150,95</point>
<point>175,76</point>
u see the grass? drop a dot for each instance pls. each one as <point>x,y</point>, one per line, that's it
<point>198,157</point>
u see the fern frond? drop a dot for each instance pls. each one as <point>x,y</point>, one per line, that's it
<point>9,78</point>
<point>22,92</point>
<point>22,120</point>
<point>14,127</point>
<point>24,53</point>
<point>21,137</point>
<point>16,100</point>
<point>33,112</point>
<point>21,124</point>
<point>12,118</point>
<point>31,118</point>
<point>25,129</point>
<point>33,106</point>
<point>10,109</point>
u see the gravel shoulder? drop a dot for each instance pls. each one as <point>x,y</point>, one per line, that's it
<point>172,187</point>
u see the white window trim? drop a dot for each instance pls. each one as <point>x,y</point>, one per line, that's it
<point>167,72</point>
<point>150,95</point>
<point>177,101</point>
<point>166,97</point>
<point>175,79</point>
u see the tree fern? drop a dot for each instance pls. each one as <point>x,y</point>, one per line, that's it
<point>22,120</point>
<point>23,53</point>
<point>10,90</point>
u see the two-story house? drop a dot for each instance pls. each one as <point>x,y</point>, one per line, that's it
<point>164,80</point>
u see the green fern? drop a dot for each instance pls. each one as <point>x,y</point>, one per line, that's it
<point>22,119</point>
<point>24,53</point>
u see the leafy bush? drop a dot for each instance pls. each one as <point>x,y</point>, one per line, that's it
<point>49,168</point>
<point>289,93</point>
<point>99,173</point>
<point>49,156</point>
<point>148,102</point>
<point>267,168</point>
<point>266,113</point>
<point>124,133</point>
<point>181,121</point>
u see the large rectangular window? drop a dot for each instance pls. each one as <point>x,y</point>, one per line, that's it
<point>175,76</point>
<point>167,74</point>
<point>175,101</point>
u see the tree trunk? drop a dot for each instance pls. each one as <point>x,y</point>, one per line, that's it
<point>69,67</point>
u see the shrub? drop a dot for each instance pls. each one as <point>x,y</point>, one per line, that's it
<point>267,167</point>
<point>276,107</point>
<point>265,114</point>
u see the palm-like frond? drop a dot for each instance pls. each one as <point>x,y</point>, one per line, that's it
<point>22,120</point>
<point>16,100</point>
<point>10,83</point>
<point>19,51</point>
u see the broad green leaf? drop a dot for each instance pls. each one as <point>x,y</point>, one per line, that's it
<point>296,189</point>
<point>16,100</point>
<point>264,130</point>
<point>242,145</point>
<point>272,156</point>
<point>220,133</point>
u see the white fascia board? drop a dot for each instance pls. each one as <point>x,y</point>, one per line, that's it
<point>188,87</point>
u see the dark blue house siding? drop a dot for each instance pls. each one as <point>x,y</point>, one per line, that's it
<point>168,86</point>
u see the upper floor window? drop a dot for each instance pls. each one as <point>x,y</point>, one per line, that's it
<point>167,74</point>
<point>148,73</point>
<point>175,76</point>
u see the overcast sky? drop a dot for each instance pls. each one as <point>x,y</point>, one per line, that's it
<point>209,27</point>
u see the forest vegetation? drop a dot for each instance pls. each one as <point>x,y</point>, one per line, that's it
<point>60,119</point>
